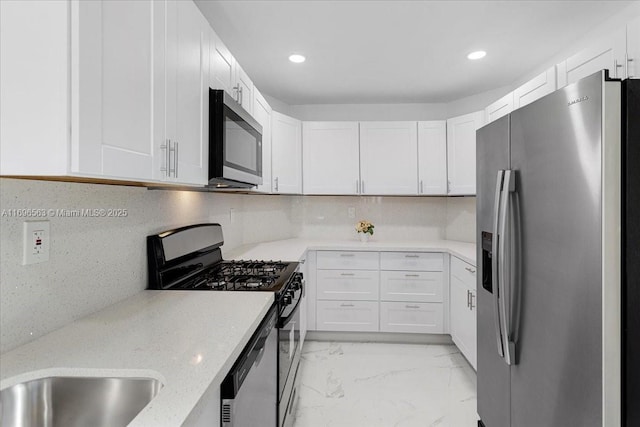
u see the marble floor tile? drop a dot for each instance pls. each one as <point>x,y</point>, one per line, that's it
<point>347,384</point>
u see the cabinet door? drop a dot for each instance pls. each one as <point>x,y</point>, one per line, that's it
<point>461,153</point>
<point>501,107</point>
<point>388,163</point>
<point>286,154</point>
<point>432,158</point>
<point>536,88</point>
<point>262,114</point>
<point>461,317</point>
<point>632,62</point>
<point>330,162</point>
<point>221,65</point>
<point>608,53</point>
<point>34,87</point>
<point>112,91</point>
<point>412,317</point>
<point>245,89</point>
<point>347,316</point>
<point>187,109</point>
<point>358,285</point>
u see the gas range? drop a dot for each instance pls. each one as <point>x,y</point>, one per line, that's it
<point>190,258</point>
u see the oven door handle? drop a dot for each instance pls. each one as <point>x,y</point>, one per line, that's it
<point>284,322</point>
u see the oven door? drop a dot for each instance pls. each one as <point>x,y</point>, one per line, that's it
<point>288,358</point>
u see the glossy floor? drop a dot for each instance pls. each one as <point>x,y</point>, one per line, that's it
<point>374,384</point>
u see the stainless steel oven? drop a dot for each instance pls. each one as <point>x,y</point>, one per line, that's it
<point>289,350</point>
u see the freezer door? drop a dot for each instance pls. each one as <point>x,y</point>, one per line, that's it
<point>492,156</point>
<point>556,151</point>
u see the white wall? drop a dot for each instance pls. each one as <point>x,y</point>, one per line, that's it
<point>96,262</point>
<point>461,219</point>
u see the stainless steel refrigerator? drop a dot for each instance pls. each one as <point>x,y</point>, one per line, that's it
<point>557,332</point>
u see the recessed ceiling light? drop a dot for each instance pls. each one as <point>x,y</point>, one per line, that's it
<point>477,54</point>
<point>297,58</point>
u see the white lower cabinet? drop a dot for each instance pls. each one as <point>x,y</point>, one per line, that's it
<point>360,285</point>
<point>463,308</point>
<point>355,316</point>
<point>423,286</point>
<point>426,318</point>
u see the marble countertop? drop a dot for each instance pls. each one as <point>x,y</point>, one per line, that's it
<point>294,249</point>
<point>159,334</point>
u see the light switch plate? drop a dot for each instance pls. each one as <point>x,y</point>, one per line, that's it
<point>35,245</point>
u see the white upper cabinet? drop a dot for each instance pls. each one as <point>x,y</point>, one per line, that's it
<point>632,62</point>
<point>388,158</point>
<point>262,114</point>
<point>501,107</point>
<point>330,162</point>
<point>432,157</point>
<point>461,153</point>
<point>244,89</point>
<point>187,94</point>
<point>221,65</point>
<point>607,53</point>
<point>286,154</point>
<point>536,88</point>
<point>113,93</point>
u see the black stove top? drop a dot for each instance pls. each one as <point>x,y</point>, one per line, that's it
<point>190,258</point>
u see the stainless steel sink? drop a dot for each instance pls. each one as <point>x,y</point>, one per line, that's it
<point>76,401</point>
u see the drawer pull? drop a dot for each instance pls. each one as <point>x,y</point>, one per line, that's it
<point>347,255</point>
<point>346,305</point>
<point>412,306</point>
<point>347,274</point>
<point>412,256</point>
<point>470,270</point>
<point>411,275</point>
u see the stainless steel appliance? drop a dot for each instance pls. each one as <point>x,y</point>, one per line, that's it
<point>247,392</point>
<point>235,144</point>
<point>190,258</point>
<point>552,210</point>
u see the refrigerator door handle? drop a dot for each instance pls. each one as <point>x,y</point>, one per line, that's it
<point>504,283</point>
<point>495,268</point>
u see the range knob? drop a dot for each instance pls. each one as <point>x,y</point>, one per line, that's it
<point>286,299</point>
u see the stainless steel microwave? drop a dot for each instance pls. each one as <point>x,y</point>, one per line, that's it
<point>235,144</point>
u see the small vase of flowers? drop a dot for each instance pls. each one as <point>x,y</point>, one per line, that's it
<point>365,230</point>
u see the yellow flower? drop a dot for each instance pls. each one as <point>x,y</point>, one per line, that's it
<point>365,226</point>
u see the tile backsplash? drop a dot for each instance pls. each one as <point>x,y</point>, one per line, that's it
<point>95,262</point>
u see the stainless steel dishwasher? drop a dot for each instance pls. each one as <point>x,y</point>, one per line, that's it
<point>249,392</point>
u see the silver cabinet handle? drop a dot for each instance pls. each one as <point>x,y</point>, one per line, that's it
<point>362,185</point>
<point>175,160</point>
<point>236,88</point>
<point>348,255</point>
<point>626,65</point>
<point>276,182</point>
<point>240,95</point>
<point>412,256</point>
<point>347,274</point>
<point>165,147</point>
<point>468,298</point>
<point>471,297</point>
<point>494,262</point>
<point>615,68</point>
<point>448,186</point>
<point>412,306</point>
<point>421,187</point>
<point>357,186</point>
<point>470,270</point>
<point>171,150</point>
<point>346,305</point>
<point>411,275</point>
<point>505,272</point>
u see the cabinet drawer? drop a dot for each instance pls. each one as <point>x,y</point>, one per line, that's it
<point>411,286</point>
<point>413,261</point>
<point>348,285</point>
<point>463,271</point>
<point>425,318</point>
<point>348,260</point>
<point>347,316</point>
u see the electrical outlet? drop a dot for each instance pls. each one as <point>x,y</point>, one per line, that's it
<point>232,215</point>
<point>352,212</point>
<point>36,238</point>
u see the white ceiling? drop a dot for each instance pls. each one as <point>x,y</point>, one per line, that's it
<point>396,51</point>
